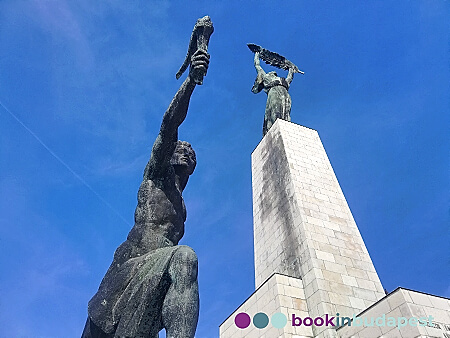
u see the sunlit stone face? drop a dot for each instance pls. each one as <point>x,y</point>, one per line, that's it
<point>184,156</point>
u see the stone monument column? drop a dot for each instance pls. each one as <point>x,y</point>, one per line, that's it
<point>310,259</point>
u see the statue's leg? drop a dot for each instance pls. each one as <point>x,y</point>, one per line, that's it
<point>268,125</point>
<point>267,121</point>
<point>181,305</point>
<point>286,114</point>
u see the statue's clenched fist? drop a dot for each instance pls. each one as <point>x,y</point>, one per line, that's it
<point>199,64</point>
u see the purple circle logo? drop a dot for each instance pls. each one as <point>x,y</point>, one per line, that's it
<point>242,320</point>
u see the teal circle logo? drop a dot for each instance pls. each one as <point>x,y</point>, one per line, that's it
<point>260,320</point>
<point>279,320</point>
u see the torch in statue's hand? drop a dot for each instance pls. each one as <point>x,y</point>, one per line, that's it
<point>198,44</point>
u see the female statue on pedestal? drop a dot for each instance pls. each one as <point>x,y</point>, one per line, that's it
<point>278,104</point>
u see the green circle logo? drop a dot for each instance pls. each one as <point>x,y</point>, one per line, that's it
<point>260,320</point>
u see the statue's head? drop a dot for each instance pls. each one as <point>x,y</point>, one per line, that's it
<point>183,159</point>
<point>272,74</point>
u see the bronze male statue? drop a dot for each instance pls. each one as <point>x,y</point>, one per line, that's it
<point>152,281</point>
<point>278,104</point>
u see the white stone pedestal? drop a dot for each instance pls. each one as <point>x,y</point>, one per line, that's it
<point>303,228</point>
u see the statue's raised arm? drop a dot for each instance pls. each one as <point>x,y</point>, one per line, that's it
<point>290,75</point>
<point>258,67</point>
<point>258,85</point>
<point>163,151</point>
<point>166,141</point>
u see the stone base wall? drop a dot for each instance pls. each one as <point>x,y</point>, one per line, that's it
<point>407,304</point>
<point>279,293</point>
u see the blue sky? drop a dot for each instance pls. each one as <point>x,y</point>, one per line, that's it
<point>91,81</point>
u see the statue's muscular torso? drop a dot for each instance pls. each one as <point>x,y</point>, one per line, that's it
<point>159,220</point>
<point>160,212</point>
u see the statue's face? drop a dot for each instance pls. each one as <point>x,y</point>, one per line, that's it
<point>184,158</point>
<point>272,75</point>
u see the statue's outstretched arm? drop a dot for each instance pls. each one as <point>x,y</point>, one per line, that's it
<point>258,67</point>
<point>259,81</point>
<point>166,140</point>
<point>290,75</point>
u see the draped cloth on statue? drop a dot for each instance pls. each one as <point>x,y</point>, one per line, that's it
<point>278,104</point>
<point>130,297</point>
